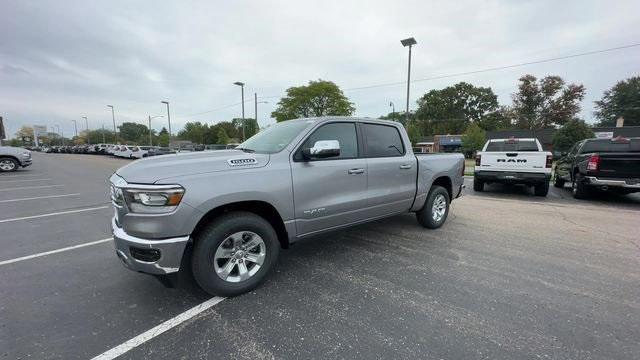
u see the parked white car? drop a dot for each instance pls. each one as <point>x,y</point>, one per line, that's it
<point>140,152</point>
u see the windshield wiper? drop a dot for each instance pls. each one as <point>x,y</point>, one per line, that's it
<point>245,150</point>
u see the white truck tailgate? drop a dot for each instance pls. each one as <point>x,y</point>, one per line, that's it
<point>513,161</point>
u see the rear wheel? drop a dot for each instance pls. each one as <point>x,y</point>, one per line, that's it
<point>478,185</point>
<point>8,164</point>
<point>436,208</point>
<point>558,181</point>
<point>578,187</point>
<point>541,189</point>
<point>234,254</point>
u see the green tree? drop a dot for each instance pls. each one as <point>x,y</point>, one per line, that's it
<point>132,132</point>
<point>195,132</point>
<point>473,139</point>
<point>163,137</point>
<point>250,127</point>
<point>223,138</point>
<point>621,100</point>
<point>318,98</point>
<point>452,109</point>
<point>572,132</point>
<point>25,134</point>
<point>546,102</point>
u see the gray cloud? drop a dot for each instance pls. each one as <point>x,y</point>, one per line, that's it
<point>60,60</point>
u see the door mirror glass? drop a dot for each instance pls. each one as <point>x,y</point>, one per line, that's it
<point>322,149</point>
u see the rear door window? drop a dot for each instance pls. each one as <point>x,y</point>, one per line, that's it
<point>382,141</point>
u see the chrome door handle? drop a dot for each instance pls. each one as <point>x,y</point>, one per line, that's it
<point>356,171</point>
<point>405,166</point>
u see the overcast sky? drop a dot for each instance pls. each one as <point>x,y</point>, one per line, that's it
<point>61,60</point>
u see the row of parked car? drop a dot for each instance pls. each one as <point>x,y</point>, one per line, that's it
<point>124,151</point>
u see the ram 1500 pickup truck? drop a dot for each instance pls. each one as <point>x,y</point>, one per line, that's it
<point>12,158</point>
<point>224,215</point>
<point>513,161</point>
<point>604,164</point>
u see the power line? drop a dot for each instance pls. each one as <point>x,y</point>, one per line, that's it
<point>438,77</point>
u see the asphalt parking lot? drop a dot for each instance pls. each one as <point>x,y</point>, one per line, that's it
<point>509,276</point>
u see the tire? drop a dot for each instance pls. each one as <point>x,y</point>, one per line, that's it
<point>436,208</point>
<point>558,181</point>
<point>478,185</point>
<point>578,188</point>
<point>8,164</point>
<point>541,189</point>
<point>227,232</point>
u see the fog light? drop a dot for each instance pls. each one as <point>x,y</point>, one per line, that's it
<point>146,255</point>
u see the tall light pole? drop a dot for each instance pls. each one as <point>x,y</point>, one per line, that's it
<point>103,140</point>
<point>86,121</point>
<point>75,124</point>
<point>58,132</point>
<point>393,109</point>
<point>150,132</point>
<point>113,117</point>
<point>168,118</point>
<point>408,42</point>
<point>241,84</point>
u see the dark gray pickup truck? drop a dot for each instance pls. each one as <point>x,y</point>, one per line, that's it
<point>603,164</point>
<point>224,215</point>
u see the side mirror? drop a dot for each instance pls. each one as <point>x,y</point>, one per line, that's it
<point>564,153</point>
<point>322,149</point>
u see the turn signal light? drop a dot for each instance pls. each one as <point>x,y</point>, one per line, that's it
<point>478,159</point>
<point>549,161</point>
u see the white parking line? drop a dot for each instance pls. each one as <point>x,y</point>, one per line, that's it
<point>38,197</point>
<point>53,214</point>
<point>151,333</point>
<point>31,187</point>
<point>11,261</point>
<point>14,181</point>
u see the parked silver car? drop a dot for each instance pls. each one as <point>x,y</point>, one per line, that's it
<point>224,215</point>
<point>12,158</point>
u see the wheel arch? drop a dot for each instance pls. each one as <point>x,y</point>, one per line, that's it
<point>260,208</point>
<point>12,158</point>
<point>446,183</point>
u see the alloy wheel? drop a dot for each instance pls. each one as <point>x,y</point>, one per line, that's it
<point>240,256</point>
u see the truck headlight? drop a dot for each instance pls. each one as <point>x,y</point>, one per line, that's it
<point>153,201</point>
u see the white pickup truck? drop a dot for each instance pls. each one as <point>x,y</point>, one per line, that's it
<point>513,161</point>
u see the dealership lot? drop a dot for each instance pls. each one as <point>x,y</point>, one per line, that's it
<point>510,275</point>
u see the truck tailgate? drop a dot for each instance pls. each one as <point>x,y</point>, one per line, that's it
<point>513,161</point>
<point>619,165</point>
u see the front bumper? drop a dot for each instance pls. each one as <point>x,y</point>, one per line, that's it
<point>512,177</point>
<point>170,252</point>
<point>626,184</point>
<point>26,162</point>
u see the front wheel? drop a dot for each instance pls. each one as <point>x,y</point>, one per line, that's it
<point>558,181</point>
<point>436,208</point>
<point>8,164</point>
<point>234,254</point>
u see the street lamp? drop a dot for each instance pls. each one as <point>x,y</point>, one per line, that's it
<point>241,84</point>
<point>168,118</point>
<point>150,118</point>
<point>113,117</point>
<point>86,121</point>
<point>408,42</point>
<point>75,124</point>
<point>393,109</point>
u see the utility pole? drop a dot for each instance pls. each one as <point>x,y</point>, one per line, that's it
<point>168,119</point>
<point>75,125</point>
<point>255,99</point>
<point>150,140</point>
<point>241,84</point>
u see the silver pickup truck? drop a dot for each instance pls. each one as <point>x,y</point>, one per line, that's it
<point>224,215</point>
<point>12,158</point>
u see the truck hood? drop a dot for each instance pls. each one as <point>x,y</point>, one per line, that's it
<point>157,168</point>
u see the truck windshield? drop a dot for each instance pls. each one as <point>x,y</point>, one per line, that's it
<point>275,138</point>
<point>625,145</point>
<point>516,145</point>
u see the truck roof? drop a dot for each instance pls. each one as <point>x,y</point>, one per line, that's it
<point>349,118</point>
